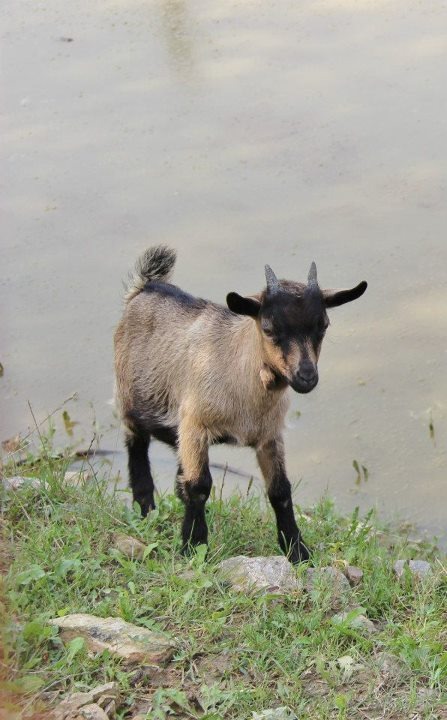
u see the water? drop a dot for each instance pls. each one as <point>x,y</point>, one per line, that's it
<point>240,133</point>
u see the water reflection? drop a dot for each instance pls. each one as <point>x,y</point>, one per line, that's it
<point>242,136</point>
<point>178,33</point>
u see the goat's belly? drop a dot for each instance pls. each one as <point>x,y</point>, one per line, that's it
<point>225,440</point>
<point>240,437</point>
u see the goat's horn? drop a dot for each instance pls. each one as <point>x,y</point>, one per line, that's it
<point>312,277</point>
<point>272,280</point>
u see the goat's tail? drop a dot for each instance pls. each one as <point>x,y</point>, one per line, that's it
<point>156,263</point>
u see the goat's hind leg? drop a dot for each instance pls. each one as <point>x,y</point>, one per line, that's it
<point>271,461</point>
<point>140,477</point>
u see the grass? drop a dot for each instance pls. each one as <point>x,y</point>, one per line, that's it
<point>236,653</point>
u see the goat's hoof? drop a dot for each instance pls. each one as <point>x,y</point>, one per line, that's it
<point>146,506</point>
<point>189,548</point>
<point>300,553</point>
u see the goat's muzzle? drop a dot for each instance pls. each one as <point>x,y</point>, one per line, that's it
<point>305,379</point>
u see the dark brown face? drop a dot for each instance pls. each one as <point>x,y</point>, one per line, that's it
<point>293,329</point>
<point>292,320</point>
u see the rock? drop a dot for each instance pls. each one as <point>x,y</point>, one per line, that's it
<point>389,665</point>
<point>92,712</point>
<point>359,622</point>
<point>77,477</point>
<point>419,569</point>
<point>267,574</point>
<point>280,713</point>
<point>101,695</point>
<point>17,482</point>
<point>108,705</point>
<point>333,580</point>
<point>129,546</point>
<point>132,643</point>
<point>354,575</point>
<point>274,574</point>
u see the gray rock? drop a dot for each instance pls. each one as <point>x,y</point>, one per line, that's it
<point>129,546</point>
<point>359,622</point>
<point>389,665</point>
<point>17,482</point>
<point>132,643</point>
<point>274,574</point>
<point>354,575</point>
<point>267,574</point>
<point>331,579</point>
<point>92,712</point>
<point>77,477</point>
<point>108,705</point>
<point>280,713</point>
<point>419,569</point>
<point>99,696</point>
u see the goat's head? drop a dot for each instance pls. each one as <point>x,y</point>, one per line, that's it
<point>292,320</point>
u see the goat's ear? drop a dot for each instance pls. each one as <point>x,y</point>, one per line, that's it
<point>243,305</point>
<point>334,298</point>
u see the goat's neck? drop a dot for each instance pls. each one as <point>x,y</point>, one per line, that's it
<point>253,361</point>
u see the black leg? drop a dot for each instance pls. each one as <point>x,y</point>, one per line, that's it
<point>271,460</point>
<point>289,536</point>
<point>140,477</point>
<point>194,495</point>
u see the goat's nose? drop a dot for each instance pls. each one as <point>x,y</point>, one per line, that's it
<point>307,371</point>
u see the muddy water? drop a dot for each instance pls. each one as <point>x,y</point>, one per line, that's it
<point>240,133</point>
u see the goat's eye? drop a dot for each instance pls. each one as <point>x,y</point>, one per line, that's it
<point>267,329</point>
<point>323,326</point>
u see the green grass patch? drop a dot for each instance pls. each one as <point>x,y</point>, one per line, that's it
<point>236,653</point>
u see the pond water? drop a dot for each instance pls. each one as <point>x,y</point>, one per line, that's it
<point>240,133</point>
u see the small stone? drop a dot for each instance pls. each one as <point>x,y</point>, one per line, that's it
<point>273,574</point>
<point>77,477</point>
<point>389,665</point>
<point>359,622</point>
<point>280,713</point>
<point>71,705</point>
<point>108,705</point>
<point>17,482</point>
<point>108,690</point>
<point>419,569</point>
<point>93,712</point>
<point>354,575</point>
<point>129,546</point>
<point>331,578</point>
<point>129,642</point>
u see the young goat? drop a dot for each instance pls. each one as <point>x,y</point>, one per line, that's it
<point>192,373</point>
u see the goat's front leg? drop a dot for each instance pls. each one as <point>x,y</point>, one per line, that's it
<point>271,461</point>
<point>193,481</point>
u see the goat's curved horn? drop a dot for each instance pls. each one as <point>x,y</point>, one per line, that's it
<point>312,281</point>
<point>272,280</point>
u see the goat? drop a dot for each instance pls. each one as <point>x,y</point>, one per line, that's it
<point>191,373</point>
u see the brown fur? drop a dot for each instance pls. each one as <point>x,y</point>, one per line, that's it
<point>196,367</point>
